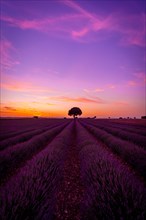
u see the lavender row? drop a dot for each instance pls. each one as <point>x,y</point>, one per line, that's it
<point>126,127</point>
<point>130,153</point>
<point>123,127</point>
<point>137,123</point>
<point>139,130</point>
<point>13,157</point>
<point>31,193</point>
<point>135,138</point>
<point>13,134</point>
<point>112,191</point>
<point>23,137</point>
<point>12,127</point>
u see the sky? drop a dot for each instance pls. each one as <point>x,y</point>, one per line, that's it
<point>59,54</point>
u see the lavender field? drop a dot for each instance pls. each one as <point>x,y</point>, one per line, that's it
<point>65,169</point>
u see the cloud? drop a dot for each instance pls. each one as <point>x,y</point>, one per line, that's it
<point>133,37</point>
<point>51,104</point>
<point>86,90</point>
<point>99,90</point>
<point>138,80</point>
<point>94,90</point>
<point>22,110</point>
<point>132,83</point>
<point>42,103</point>
<point>141,76</point>
<point>9,108</point>
<point>6,59</point>
<point>111,86</point>
<point>56,24</point>
<point>114,22</point>
<point>80,33</point>
<point>78,8</point>
<point>122,103</point>
<point>84,26</point>
<point>23,24</point>
<point>24,87</point>
<point>78,99</point>
<point>13,84</point>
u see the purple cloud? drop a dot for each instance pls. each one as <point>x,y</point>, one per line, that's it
<point>78,99</point>
<point>85,26</point>
<point>7,62</point>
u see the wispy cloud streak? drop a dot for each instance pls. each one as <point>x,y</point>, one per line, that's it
<point>9,108</point>
<point>24,87</point>
<point>78,99</point>
<point>78,8</point>
<point>83,25</point>
<point>138,80</point>
<point>6,60</point>
<point>121,103</point>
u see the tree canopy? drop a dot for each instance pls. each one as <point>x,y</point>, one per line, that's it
<point>74,111</point>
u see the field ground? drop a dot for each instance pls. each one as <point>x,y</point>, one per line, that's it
<point>65,169</point>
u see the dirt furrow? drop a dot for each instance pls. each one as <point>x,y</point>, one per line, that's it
<point>71,191</point>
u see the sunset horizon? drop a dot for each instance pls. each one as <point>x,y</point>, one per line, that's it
<point>59,54</point>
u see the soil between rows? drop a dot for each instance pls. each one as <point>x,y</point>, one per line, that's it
<point>69,197</point>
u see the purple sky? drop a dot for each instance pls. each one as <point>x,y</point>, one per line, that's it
<point>59,54</point>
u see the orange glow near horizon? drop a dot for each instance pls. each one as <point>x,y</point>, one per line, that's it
<point>61,110</point>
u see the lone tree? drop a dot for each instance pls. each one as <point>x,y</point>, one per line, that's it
<point>74,111</point>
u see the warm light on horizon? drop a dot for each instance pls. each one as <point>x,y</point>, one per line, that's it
<point>62,112</point>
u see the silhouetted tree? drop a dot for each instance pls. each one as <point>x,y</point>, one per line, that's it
<point>74,111</point>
